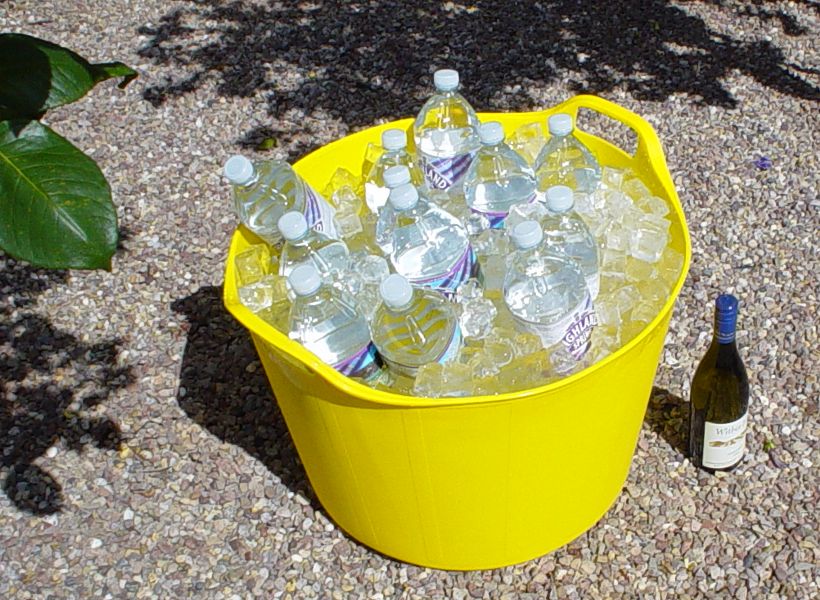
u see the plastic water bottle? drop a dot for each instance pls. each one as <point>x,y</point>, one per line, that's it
<point>430,247</point>
<point>393,178</point>
<point>414,326</point>
<point>302,245</point>
<point>446,135</point>
<point>266,190</point>
<point>565,231</point>
<point>498,177</point>
<point>547,294</point>
<point>376,190</point>
<point>564,160</point>
<point>325,321</point>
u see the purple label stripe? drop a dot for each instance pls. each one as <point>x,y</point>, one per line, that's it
<point>361,364</point>
<point>462,270</point>
<point>313,213</point>
<point>496,219</point>
<point>443,173</point>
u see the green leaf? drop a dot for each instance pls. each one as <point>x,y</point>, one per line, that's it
<point>36,75</point>
<point>55,204</point>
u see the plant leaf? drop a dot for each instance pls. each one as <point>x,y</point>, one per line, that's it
<point>36,75</point>
<point>55,204</point>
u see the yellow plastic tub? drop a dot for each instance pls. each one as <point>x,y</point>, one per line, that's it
<point>477,482</point>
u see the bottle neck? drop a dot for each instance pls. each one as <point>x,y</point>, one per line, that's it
<point>725,324</point>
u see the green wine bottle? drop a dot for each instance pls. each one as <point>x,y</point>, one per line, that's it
<point>719,400</point>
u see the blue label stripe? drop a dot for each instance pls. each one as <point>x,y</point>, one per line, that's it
<point>451,350</point>
<point>447,283</point>
<point>496,219</point>
<point>363,364</point>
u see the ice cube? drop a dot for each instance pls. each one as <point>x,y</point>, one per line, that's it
<point>349,210</point>
<point>612,178</point>
<point>635,188</point>
<point>653,205</point>
<point>500,350</point>
<point>522,343</point>
<point>644,312</point>
<point>476,318</point>
<point>530,211</point>
<point>528,140</point>
<point>371,268</point>
<point>638,270</point>
<point>611,282</point>
<point>277,314</point>
<point>252,264</point>
<point>469,290</point>
<point>342,178</point>
<point>451,379</point>
<point>524,372</point>
<point>670,266</point>
<point>604,341</point>
<point>264,293</point>
<point>372,153</point>
<point>608,311</point>
<point>649,238</point>
<point>626,298</point>
<point>617,237</point>
<point>617,204</point>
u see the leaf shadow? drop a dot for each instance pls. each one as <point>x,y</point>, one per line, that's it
<point>354,62</point>
<point>53,386</point>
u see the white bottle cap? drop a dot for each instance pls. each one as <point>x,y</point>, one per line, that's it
<point>238,170</point>
<point>403,197</point>
<point>292,225</point>
<point>305,280</point>
<point>394,139</point>
<point>445,80</point>
<point>395,176</point>
<point>491,133</point>
<point>560,124</point>
<point>527,235</point>
<point>559,198</point>
<point>396,291</point>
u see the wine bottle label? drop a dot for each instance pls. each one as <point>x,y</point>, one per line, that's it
<point>724,443</point>
<point>319,214</point>
<point>464,268</point>
<point>444,173</point>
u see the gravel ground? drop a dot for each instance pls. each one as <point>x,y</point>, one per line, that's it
<point>143,454</point>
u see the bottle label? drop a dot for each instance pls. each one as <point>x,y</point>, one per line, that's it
<point>364,363</point>
<point>319,214</point>
<point>449,353</point>
<point>573,331</point>
<point>447,283</point>
<point>444,173</point>
<point>724,443</point>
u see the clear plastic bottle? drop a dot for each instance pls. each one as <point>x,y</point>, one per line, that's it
<point>564,160</point>
<point>498,177</point>
<point>547,294</point>
<point>393,178</point>
<point>565,231</point>
<point>413,327</point>
<point>376,190</point>
<point>430,247</point>
<point>302,244</point>
<point>446,135</point>
<point>266,190</point>
<point>325,321</point>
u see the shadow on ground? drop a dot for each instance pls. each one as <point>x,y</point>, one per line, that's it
<point>51,384</point>
<point>362,61</point>
<point>668,416</point>
<point>223,388</point>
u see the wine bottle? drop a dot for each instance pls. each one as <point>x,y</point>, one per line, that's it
<point>719,399</point>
